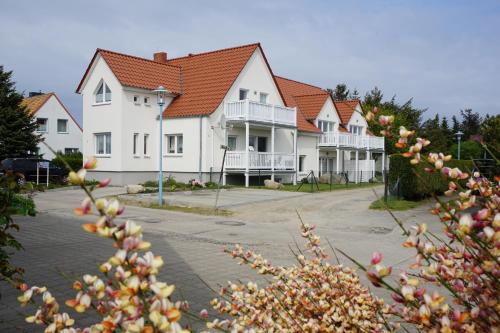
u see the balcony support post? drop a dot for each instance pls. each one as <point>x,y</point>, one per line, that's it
<point>356,167</point>
<point>338,160</point>
<point>383,165</point>
<point>247,150</point>
<point>272,149</point>
<point>295,162</point>
<point>369,169</point>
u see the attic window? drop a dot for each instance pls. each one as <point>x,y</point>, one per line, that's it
<point>103,93</point>
<point>243,94</point>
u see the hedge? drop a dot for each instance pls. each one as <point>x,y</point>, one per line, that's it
<point>414,182</point>
<point>75,161</point>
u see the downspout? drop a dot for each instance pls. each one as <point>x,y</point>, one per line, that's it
<point>201,148</point>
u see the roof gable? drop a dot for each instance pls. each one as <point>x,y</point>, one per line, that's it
<point>138,72</point>
<point>345,109</point>
<point>206,79</point>
<point>311,105</point>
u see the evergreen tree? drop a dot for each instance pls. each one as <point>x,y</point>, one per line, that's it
<point>432,130</point>
<point>471,123</point>
<point>340,93</point>
<point>445,129</point>
<point>17,126</point>
<point>354,94</point>
<point>490,130</point>
<point>455,127</point>
<point>374,97</point>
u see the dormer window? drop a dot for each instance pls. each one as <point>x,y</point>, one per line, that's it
<point>103,93</point>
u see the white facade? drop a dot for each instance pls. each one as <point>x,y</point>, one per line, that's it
<point>58,129</point>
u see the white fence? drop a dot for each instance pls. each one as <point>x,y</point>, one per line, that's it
<point>259,160</point>
<point>255,111</point>
<point>339,139</point>
<point>365,172</point>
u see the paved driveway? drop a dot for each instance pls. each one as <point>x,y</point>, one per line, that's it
<point>191,244</point>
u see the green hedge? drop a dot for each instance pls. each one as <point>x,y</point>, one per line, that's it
<point>75,160</point>
<point>414,182</point>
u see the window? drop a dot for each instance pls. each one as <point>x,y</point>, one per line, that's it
<point>136,139</point>
<point>356,129</point>
<point>42,125</point>
<point>231,142</point>
<point>326,126</point>
<point>62,125</point>
<point>175,144</point>
<point>301,162</point>
<point>102,143</point>
<point>263,98</point>
<point>137,100</point>
<point>70,151</point>
<point>243,94</point>
<point>146,100</point>
<point>103,93</point>
<point>146,137</point>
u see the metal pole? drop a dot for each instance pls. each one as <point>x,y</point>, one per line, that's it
<point>459,146</point>
<point>48,167</point>
<point>220,177</point>
<point>37,172</point>
<point>160,176</point>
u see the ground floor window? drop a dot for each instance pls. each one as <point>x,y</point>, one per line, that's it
<point>301,163</point>
<point>71,150</point>
<point>102,143</point>
<point>146,138</point>
<point>135,143</point>
<point>175,143</point>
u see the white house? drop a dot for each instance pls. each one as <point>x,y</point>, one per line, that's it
<point>226,97</point>
<point>55,123</point>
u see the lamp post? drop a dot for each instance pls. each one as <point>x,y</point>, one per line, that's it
<point>160,98</point>
<point>459,137</point>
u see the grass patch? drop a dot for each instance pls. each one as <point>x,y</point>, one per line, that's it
<point>395,204</point>
<point>175,208</point>
<point>325,187</point>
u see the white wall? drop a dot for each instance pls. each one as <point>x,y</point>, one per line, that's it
<point>358,119</point>
<point>306,145</point>
<point>52,110</point>
<point>328,113</point>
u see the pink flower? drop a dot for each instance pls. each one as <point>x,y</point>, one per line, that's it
<point>376,258</point>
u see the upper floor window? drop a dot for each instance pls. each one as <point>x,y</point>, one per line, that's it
<point>43,125</point>
<point>326,126</point>
<point>263,98</point>
<point>231,142</point>
<point>355,129</point>
<point>102,143</point>
<point>137,100</point>
<point>243,94</point>
<point>62,125</point>
<point>146,101</point>
<point>174,144</point>
<point>135,143</point>
<point>103,93</point>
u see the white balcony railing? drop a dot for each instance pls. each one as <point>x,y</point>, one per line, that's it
<point>261,112</point>
<point>339,139</point>
<point>259,160</point>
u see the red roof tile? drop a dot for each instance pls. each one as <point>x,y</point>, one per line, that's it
<point>305,125</point>
<point>139,72</point>
<point>206,79</point>
<point>346,109</point>
<point>311,105</point>
<point>290,88</point>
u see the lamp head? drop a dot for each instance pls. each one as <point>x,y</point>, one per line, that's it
<point>160,95</point>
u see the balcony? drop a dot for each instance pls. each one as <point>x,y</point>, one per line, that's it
<point>350,140</point>
<point>247,110</point>
<point>237,160</point>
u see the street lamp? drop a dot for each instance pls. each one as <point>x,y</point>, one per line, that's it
<point>160,98</point>
<point>459,137</point>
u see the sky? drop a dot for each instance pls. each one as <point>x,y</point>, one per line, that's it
<point>443,54</point>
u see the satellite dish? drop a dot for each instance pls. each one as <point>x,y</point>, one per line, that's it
<point>222,121</point>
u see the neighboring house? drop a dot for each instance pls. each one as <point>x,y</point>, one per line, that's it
<point>226,97</point>
<point>333,135</point>
<point>55,123</point>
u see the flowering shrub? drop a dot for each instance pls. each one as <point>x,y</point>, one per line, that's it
<point>127,296</point>
<point>197,183</point>
<point>311,296</point>
<point>463,268</point>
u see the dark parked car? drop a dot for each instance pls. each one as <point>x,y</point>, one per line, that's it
<point>26,169</point>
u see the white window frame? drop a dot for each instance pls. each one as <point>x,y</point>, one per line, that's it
<point>105,96</point>
<point>325,125</point>
<point>135,144</point>
<point>246,94</point>
<point>136,99</point>
<point>107,139</point>
<point>46,125</point>
<point>235,137</point>
<point>175,151</point>
<point>265,95</point>
<point>67,122</point>
<point>356,129</point>
<point>145,148</point>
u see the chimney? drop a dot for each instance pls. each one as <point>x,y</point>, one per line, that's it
<point>160,57</point>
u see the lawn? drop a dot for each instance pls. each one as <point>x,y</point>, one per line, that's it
<point>395,204</point>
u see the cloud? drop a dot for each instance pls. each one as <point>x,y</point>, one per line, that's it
<point>444,55</point>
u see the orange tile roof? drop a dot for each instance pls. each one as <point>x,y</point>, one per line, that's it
<point>291,88</point>
<point>311,105</point>
<point>33,104</point>
<point>346,109</point>
<point>305,125</point>
<point>206,79</point>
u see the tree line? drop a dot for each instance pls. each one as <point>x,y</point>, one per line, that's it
<point>440,131</point>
